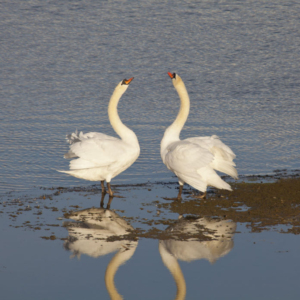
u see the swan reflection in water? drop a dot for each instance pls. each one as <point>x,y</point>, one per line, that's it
<point>90,234</point>
<point>221,233</point>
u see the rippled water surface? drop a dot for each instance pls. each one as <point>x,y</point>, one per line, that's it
<point>60,61</point>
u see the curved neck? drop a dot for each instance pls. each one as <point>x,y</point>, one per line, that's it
<point>184,110</point>
<point>123,131</point>
<point>109,278</point>
<point>172,133</point>
<point>120,258</point>
<point>172,264</point>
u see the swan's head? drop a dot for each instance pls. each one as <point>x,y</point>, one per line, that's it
<point>175,78</point>
<point>123,85</point>
<point>126,82</point>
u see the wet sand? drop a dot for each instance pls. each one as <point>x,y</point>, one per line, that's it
<point>232,240</point>
<point>256,201</point>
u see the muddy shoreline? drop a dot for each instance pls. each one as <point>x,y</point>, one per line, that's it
<point>262,202</point>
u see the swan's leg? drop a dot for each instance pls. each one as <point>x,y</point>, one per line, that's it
<point>102,200</point>
<point>203,196</point>
<point>109,202</point>
<point>111,193</point>
<point>180,191</point>
<point>109,189</point>
<point>103,187</point>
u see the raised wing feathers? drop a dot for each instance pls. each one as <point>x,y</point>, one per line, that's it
<point>94,150</point>
<point>213,142</point>
<point>80,136</point>
<point>223,155</point>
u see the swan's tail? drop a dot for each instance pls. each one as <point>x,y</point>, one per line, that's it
<point>195,181</point>
<point>74,137</point>
<point>82,174</point>
<point>213,179</point>
<point>226,167</point>
<point>223,162</point>
<point>67,172</point>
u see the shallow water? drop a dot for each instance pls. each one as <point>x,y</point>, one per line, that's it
<point>87,252</point>
<point>60,61</point>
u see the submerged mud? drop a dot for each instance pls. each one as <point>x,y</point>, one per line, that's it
<point>261,205</point>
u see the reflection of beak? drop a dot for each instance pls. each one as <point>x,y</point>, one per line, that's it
<point>129,80</point>
<point>171,75</point>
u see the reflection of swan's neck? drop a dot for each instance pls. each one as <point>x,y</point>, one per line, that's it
<point>172,264</point>
<point>120,258</point>
<point>123,131</point>
<point>173,131</point>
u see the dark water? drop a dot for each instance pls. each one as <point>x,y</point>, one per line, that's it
<point>60,61</point>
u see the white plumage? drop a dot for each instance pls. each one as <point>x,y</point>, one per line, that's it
<point>90,235</point>
<point>100,157</point>
<point>190,248</point>
<point>195,160</point>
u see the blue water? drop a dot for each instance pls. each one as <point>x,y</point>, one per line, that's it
<point>236,264</point>
<point>60,61</point>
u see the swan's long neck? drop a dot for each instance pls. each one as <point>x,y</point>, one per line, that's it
<point>172,133</point>
<point>109,277</point>
<point>184,110</point>
<point>123,131</point>
<point>120,258</point>
<point>172,264</point>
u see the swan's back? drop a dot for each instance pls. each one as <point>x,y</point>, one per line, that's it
<point>79,137</point>
<point>195,160</point>
<point>222,155</point>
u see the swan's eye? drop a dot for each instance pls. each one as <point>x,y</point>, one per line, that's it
<point>174,75</point>
<point>124,82</point>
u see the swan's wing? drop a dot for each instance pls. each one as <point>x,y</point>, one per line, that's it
<point>76,136</point>
<point>223,155</point>
<point>96,152</point>
<point>185,159</point>
<point>184,156</point>
<point>213,143</point>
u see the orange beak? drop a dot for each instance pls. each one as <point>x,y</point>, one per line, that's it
<point>129,80</point>
<point>171,75</point>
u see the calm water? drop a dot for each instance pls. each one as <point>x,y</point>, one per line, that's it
<point>60,61</point>
<point>236,264</point>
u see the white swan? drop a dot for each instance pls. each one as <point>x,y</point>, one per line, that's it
<point>90,236</point>
<point>100,157</point>
<point>190,249</point>
<point>194,160</point>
